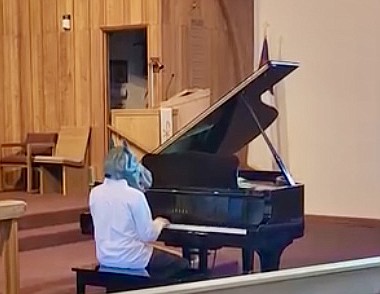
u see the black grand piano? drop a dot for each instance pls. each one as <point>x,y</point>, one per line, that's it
<point>211,203</point>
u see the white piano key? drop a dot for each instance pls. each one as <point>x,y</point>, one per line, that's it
<point>207,229</point>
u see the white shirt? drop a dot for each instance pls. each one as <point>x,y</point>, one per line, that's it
<point>123,225</point>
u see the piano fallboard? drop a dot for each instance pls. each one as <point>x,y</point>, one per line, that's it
<point>264,202</point>
<point>260,237</point>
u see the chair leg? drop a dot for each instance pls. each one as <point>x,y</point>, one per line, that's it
<point>29,178</point>
<point>1,179</point>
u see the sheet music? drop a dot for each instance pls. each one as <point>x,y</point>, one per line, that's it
<point>207,229</point>
<point>257,186</point>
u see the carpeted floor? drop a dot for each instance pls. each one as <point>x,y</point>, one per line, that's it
<point>48,270</point>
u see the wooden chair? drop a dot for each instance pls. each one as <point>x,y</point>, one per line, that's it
<point>66,171</point>
<point>34,144</point>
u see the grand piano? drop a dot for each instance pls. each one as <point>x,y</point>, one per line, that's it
<point>212,203</point>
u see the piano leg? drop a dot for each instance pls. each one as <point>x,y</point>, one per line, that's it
<point>203,260</point>
<point>270,257</point>
<point>247,257</point>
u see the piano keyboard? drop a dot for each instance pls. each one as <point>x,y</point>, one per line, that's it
<point>207,229</point>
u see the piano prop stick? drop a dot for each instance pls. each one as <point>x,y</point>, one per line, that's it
<point>211,203</point>
<point>10,211</point>
<point>288,178</point>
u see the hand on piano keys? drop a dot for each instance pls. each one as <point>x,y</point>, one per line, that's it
<point>161,222</point>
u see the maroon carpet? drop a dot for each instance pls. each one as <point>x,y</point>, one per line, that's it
<point>48,269</point>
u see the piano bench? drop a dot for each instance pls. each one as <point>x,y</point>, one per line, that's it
<point>114,281</point>
<point>111,281</point>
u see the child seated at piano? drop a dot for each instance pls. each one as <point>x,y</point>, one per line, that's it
<point>124,228</point>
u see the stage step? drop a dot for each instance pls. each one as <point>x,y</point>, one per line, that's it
<point>50,218</point>
<point>53,224</point>
<point>56,235</point>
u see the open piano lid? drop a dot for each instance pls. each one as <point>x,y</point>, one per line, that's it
<point>227,126</point>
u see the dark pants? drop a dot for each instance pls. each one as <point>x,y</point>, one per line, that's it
<point>165,265</point>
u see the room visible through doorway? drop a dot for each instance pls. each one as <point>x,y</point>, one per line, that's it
<point>128,70</point>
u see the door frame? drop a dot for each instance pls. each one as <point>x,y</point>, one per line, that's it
<point>106,30</point>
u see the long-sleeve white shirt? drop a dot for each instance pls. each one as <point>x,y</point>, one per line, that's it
<point>123,225</point>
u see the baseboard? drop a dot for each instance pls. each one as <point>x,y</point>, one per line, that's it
<point>363,222</point>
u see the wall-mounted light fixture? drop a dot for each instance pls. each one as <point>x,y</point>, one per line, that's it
<point>66,22</point>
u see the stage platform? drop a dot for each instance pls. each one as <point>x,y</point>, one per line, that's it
<point>50,219</point>
<point>38,203</point>
<point>51,243</point>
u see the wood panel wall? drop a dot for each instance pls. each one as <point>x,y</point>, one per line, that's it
<point>51,77</point>
<point>206,43</point>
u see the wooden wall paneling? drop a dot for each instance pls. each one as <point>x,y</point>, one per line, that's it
<point>37,68</point>
<point>223,71</point>
<point>234,49</point>
<point>152,11</point>
<point>26,80</point>
<point>211,44</point>
<point>222,67</point>
<point>182,58</point>
<point>82,62</point>
<point>11,76</point>
<point>134,11</point>
<point>66,61</point>
<point>180,12</point>
<point>171,77</point>
<point>239,20</point>
<point>169,74</point>
<point>63,84</point>
<point>152,17</point>
<point>12,127</point>
<point>98,107</point>
<point>175,51</point>
<point>238,34</point>
<point>50,65</point>
<point>2,73</point>
<point>210,13</point>
<point>114,10</point>
<point>155,50</point>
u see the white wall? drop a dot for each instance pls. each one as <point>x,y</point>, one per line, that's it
<point>332,100</point>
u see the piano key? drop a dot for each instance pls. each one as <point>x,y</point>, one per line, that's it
<point>207,229</point>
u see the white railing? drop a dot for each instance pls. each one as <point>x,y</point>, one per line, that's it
<point>360,276</point>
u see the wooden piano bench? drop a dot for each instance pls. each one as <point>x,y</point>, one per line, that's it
<point>114,281</point>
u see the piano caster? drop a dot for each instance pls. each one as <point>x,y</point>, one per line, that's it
<point>201,253</point>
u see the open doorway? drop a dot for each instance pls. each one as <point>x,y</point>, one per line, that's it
<point>128,69</point>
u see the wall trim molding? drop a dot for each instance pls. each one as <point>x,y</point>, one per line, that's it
<point>363,222</point>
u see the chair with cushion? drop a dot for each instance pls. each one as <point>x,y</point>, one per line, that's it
<point>34,144</point>
<point>66,171</point>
